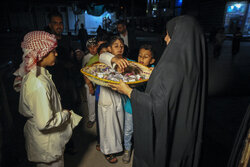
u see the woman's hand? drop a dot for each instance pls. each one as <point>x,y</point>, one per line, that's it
<point>121,62</point>
<point>69,112</point>
<point>121,88</point>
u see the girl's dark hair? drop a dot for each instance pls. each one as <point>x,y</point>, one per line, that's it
<point>148,47</point>
<point>114,38</point>
<point>103,45</point>
<point>102,37</point>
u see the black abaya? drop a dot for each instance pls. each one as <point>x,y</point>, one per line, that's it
<point>240,141</point>
<point>168,116</point>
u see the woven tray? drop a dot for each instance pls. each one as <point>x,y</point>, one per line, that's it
<point>104,82</point>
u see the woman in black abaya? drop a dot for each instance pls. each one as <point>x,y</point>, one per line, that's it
<point>240,152</point>
<point>168,116</point>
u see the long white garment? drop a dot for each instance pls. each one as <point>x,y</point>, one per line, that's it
<point>90,98</point>
<point>58,163</point>
<point>91,104</point>
<point>110,116</point>
<point>48,127</point>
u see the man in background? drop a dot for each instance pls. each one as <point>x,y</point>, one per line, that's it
<point>83,36</point>
<point>129,40</point>
<point>61,72</point>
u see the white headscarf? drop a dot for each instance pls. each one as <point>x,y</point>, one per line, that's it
<point>36,45</point>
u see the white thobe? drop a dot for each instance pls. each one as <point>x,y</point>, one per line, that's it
<point>91,104</point>
<point>48,127</point>
<point>90,97</point>
<point>110,116</point>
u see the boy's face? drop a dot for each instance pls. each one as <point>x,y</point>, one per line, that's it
<point>117,48</point>
<point>79,55</point>
<point>145,57</point>
<point>50,59</point>
<point>92,49</point>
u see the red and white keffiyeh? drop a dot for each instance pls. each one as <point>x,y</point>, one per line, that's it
<point>36,45</point>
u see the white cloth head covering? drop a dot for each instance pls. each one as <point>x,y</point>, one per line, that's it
<point>91,41</point>
<point>36,45</point>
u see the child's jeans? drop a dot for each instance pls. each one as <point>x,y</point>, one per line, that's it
<point>128,130</point>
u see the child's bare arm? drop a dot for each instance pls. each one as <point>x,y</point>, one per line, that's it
<point>90,85</point>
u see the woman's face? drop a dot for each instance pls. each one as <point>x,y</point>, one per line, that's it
<point>117,48</point>
<point>167,39</point>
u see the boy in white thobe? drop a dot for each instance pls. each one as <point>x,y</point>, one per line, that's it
<point>48,127</point>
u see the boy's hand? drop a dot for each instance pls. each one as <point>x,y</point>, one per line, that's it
<point>121,62</point>
<point>91,88</point>
<point>91,91</point>
<point>69,111</point>
<point>122,87</point>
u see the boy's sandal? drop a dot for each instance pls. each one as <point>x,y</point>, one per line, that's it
<point>90,124</point>
<point>111,158</point>
<point>98,147</point>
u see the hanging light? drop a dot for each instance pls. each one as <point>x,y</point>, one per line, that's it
<point>238,5</point>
